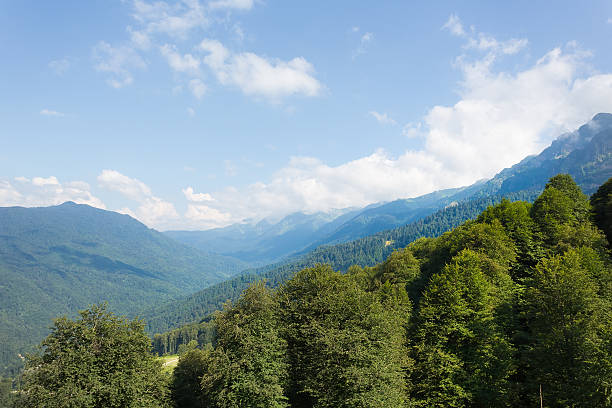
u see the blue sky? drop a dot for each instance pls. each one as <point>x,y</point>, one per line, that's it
<point>195,114</point>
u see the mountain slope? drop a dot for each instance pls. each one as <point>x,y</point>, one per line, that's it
<point>57,260</point>
<point>586,154</point>
<point>266,242</point>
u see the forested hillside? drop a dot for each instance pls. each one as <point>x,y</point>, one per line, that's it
<point>585,154</point>
<point>57,260</point>
<point>508,310</point>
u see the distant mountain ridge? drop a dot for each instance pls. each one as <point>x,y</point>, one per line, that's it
<point>57,260</point>
<point>299,233</point>
<point>266,242</point>
<point>586,154</point>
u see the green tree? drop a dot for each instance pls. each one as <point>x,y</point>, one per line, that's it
<point>346,345</point>
<point>567,308</point>
<point>562,213</point>
<point>249,366</point>
<point>463,355</point>
<point>601,202</point>
<point>187,378</point>
<point>97,360</point>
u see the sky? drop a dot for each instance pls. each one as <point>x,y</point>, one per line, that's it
<point>196,114</point>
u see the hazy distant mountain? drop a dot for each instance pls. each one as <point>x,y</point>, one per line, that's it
<point>265,242</point>
<point>57,260</point>
<point>586,154</point>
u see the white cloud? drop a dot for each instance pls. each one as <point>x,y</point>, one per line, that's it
<point>232,4</point>
<point>205,217</point>
<point>175,20</point>
<point>191,112</point>
<point>118,62</point>
<point>129,187</point>
<point>153,19</point>
<point>180,63</point>
<point>197,88</point>
<point>151,210</point>
<point>45,191</point>
<point>382,118</point>
<point>60,66</point>
<point>50,112</point>
<point>196,197</point>
<point>364,42</point>
<point>258,76</point>
<point>413,130</point>
<point>610,20</point>
<point>481,41</point>
<point>41,181</point>
<point>499,118</point>
<point>454,25</point>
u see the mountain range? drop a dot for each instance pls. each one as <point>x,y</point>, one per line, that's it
<point>585,154</point>
<point>57,260</point>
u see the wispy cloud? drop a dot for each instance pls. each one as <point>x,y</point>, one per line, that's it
<point>481,41</point>
<point>50,112</point>
<point>180,63</point>
<point>364,43</point>
<point>232,4</point>
<point>59,67</point>
<point>383,118</point>
<point>118,62</point>
<point>197,88</point>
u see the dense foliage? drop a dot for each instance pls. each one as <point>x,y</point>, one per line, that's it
<point>366,251</point>
<point>510,308</point>
<point>97,360</point>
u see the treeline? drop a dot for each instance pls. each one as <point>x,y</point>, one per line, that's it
<point>367,251</point>
<point>510,309</point>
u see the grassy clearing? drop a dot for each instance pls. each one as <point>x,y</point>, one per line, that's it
<point>169,362</point>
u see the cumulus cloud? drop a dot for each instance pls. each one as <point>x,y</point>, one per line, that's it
<point>50,112</point>
<point>258,76</point>
<point>196,197</point>
<point>150,209</point>
<point>499,118</point>
<point>382,118</point>
<point>45,191</point>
